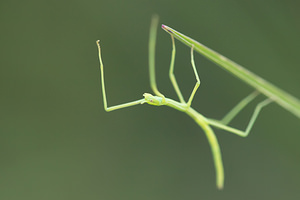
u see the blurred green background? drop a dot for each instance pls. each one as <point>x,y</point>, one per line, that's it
<point>57,142</point>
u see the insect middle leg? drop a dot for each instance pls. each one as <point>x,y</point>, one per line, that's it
<point>173,79</point>
<point>197,78</point>
<point>171,73</point>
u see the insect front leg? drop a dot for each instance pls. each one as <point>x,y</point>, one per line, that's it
<point>108,109</point>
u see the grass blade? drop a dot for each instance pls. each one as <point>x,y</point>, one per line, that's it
<point>279,96</point>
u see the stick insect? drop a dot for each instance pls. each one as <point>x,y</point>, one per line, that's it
<point>158,99</point>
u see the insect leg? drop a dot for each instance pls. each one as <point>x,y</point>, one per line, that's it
<point>171,72</point>
<point>245,133</point>
<point>103,89</point>
<point>197,77</point>
<point>152,43</point>
<point>235,110</point>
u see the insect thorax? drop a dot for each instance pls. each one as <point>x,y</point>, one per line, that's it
<point>153,100</point>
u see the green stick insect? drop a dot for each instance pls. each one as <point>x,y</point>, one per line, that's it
<point>158,99</point>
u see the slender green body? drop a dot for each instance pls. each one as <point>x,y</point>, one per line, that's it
<point>158,99</point>
<point>279,96</point>
<point>211,137</point>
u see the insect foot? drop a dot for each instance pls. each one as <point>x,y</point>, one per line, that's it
<point>153,100</point>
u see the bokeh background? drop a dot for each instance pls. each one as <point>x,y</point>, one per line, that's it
<point>57,142</point>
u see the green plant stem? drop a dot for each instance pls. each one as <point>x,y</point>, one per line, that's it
<point>279,96</point>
